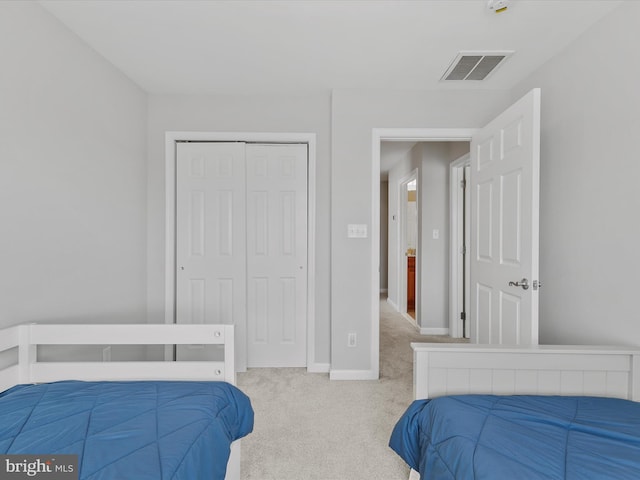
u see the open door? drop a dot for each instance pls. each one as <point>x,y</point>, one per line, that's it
<point>505,164</point>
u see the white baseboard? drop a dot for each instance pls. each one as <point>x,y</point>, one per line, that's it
<point>318,368</point>
<point>433,331</point>
<point>393,305</point>
<point>353,375</point>
<point>410,319</point>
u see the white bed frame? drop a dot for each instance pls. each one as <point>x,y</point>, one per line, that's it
<point>456,369</point>
<point>26,338</point>
<point>453,369</point>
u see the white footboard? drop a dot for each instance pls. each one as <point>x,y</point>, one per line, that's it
<point>453,369</point>
<point>27,338</point>
<point>27,369</point>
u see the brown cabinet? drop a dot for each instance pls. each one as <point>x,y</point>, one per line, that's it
<point>411,283</point>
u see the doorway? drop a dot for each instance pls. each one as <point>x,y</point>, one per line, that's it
<point>396,135</point>
<point>408,246</point>
<point>411,244</point>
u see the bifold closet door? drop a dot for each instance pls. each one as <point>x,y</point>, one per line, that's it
<point>211,241</point>
<point>277,255</point>
<point>241,248</point>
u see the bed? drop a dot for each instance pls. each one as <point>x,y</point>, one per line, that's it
<point>123,419</point>
<point>540,412</point>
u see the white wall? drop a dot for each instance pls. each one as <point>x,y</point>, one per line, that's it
<point>589,172</point>
<point>72,178</point>
<point>354,114</point>
<point>243,113</point>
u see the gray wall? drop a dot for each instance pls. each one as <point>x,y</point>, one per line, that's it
<point>72,178</point>
<point>434,253</point>
<point>589,200</point>
<point>243,113</point>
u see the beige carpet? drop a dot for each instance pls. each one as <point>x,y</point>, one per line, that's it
<point>310,428</point>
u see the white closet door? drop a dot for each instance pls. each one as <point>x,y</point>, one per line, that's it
<point>277,255</point>
<point>210,241</point>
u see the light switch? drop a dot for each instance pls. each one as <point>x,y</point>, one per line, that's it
<point>356,230</point>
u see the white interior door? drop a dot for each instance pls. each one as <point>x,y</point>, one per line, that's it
<point>505,158</point>
<point>277,255</point>
<point>211,241</point>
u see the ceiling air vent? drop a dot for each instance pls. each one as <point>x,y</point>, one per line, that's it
<point>474,65</point>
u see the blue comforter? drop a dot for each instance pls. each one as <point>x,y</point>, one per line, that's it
<point>520,437</point>
<point>128,430</point>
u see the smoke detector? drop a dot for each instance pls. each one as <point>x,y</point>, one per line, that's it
<point>498,6</point>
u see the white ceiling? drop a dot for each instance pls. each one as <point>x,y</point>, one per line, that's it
<point>215,46</point>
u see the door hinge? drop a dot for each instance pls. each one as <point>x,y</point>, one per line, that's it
<point>463,250</point>
<point>463,184</point>
<point>463,316</point>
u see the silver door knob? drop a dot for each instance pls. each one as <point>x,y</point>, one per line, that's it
<point>524,283</point>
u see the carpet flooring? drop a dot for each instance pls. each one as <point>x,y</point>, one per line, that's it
<point>310,428</point>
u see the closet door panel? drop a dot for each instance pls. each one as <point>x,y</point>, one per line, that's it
<point>211,241</point>
<point>277,255</point>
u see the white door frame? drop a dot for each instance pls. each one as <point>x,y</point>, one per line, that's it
<point>170,216</point>
<point>456,299</point>
<point>398,135</point>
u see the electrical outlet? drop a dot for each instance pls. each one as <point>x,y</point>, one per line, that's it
<point>351,340</point>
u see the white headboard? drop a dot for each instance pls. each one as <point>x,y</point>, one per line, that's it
<point>453,369</point>
<point>28,369</point>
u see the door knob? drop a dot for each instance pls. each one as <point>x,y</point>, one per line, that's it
<point>524,283</point>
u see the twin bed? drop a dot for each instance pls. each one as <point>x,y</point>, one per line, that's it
<point>541,412</point>
<point>481,412</point>
<point>136,419</point>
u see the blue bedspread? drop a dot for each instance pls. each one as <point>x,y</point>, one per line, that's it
<point>128,430</point>
<point>520,437</point>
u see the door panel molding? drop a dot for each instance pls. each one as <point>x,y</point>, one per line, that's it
<point>171,139</point>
